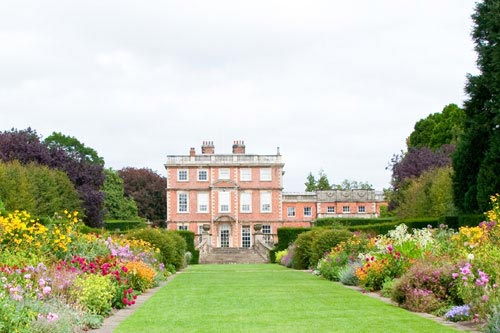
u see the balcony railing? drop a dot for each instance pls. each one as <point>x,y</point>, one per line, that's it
<point>223,159</point>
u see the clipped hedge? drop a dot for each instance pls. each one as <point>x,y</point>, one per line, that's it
<point>286,237</point>
<point>172,246</point>
<point>348,221</point>
<point>189,238</point>
<point>121,225</point>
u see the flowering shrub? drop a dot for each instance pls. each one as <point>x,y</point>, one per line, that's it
<point>140,275</point>
<point>287,259</point>
<point>94,293</point>
<point>494,213</point>
<point>279,255</point>
<point>458,313</point>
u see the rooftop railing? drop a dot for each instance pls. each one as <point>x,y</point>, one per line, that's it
<point>223,159</point>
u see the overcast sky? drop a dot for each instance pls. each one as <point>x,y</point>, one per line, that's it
<point>337,85</point>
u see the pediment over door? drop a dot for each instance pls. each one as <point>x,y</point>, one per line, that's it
<point>225,218</point>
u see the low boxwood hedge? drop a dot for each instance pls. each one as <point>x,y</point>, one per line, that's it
<point>121,225</point>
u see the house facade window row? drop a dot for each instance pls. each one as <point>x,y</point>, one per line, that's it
<point>224,199</point>
<point>245,174</point>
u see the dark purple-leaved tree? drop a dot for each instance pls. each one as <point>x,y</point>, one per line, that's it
<point>147,188</point>
<point>26,146</point>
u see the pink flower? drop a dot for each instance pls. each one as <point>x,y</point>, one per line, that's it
<point>454,275</point>
<point>52,317</point>
<point>485,298</point>
<point>46,290</point>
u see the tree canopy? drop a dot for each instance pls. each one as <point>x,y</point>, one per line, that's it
<point>26,146</point>
<point>73,147</point>
<point>117,205</point>
<point>477,159</point>
<point>147,188</point>
<point>323,184</point>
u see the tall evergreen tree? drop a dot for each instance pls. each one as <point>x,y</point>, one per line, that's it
<point>311,183</point>
<point>477,156</point>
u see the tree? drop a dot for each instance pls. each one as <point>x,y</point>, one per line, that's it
<point>438,129</point>
<point>73,148</point>
<point>148,189</point>
<point>26,146</point>
<point>117,205</point>
<point>311,183</point>
<point>323,184</point>
<point>477,154</point>
<point>353,185</point>
<point>429,195</point>
<point>36,188</point>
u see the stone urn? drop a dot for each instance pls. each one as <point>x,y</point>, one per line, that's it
<point>206,227</point>
<point>257,227</point>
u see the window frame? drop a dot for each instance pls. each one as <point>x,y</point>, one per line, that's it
<point>225,196</point>
<point>291,211</point>
<point>245,175</point>
<point>246,201</point>
<point>266,176</point>
<point>206,175</point>
<point>182,227</point>
<point>310,211</point>
<point>330,211</point>
<point>199,202</point>
<point>346,209</point>
<point>179,204</point>
<point>266,195</point>
<point>361,209</point>
<point>179,171</point>
<point>220,173</point>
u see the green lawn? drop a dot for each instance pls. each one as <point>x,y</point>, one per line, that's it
<point>266,298</point>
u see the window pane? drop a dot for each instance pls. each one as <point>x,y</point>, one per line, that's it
<point>182,175</point>
<point>265,174</point>
<point>224,173</point>
<point>202,202</point>
<point>224,202</point>
<point>182,202</point>
<point>202,175</point>
<point>291,211</point>
<point>265,202</point>
<point>245,174</point>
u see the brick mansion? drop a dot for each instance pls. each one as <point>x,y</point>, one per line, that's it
<point>229,196</point>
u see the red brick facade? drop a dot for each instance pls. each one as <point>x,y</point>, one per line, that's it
<point>231,193</point>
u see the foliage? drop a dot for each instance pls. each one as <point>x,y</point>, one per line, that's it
<point>425,287</point>
<point>428,195</point>
<point>94,292</point>
<point>87,178</point>
<point>347,221</point>
<point>172,246</point>
<point>36,188</point>
<point>347,184</point>
<point>311,183</point>
<point>325,241</point>
<point>140,275</point>
<point>438,129</point>
<point>190,247</point>
<point>147,189</point>
<point>73,147</point>
<point>122,225</point>
<point>478,154</point>
<point>494,213</point>
<point>286,236</point>
<point>117,206</point>
<point>280,255</point>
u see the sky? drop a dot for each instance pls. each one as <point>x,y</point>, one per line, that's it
<point>336,85</point>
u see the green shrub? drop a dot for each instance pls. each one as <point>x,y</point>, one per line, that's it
<point>94,292</point>
<point>122,225</point>
<point>304,250</point>
<point>471,220</point>
<point>325,241</point>
<point>280,255</point>
<point>189,238</point>
<point>340,221</point>
<point>286,236</point>
<point>172,246</point>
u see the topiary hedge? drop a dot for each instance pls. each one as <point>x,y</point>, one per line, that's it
<point>189,238</point>
<point>172,246</point>
<point>286,237</point>
<point>122,225</point>
<point>348,221</point>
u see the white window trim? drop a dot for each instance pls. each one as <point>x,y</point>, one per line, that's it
<point>228,174</point>
<point>202,180</point>
<point>199,202</point>
<point>310,211</point>
<point>270,202</point>
<point>246,179</point>
<point>228,194</point>
<point>263,176</point>
<point>289,210</point>
<point>330,212</point>
<point>249,194</point>
<point>346,211</point>
<point>363,208</point>
<point>182,227</point>
<point>178,175</point>
<point>179,205</point>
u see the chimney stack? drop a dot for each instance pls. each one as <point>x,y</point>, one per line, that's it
<point>192,152</point>
<point>238,147</point>
<point>208,148</point>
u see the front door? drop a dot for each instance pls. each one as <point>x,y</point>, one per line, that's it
<point>245,237</point>
<point>225,232</point>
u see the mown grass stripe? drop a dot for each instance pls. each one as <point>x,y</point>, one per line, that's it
<point>262,298</point>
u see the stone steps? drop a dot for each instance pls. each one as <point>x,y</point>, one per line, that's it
<point>232,255</point>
